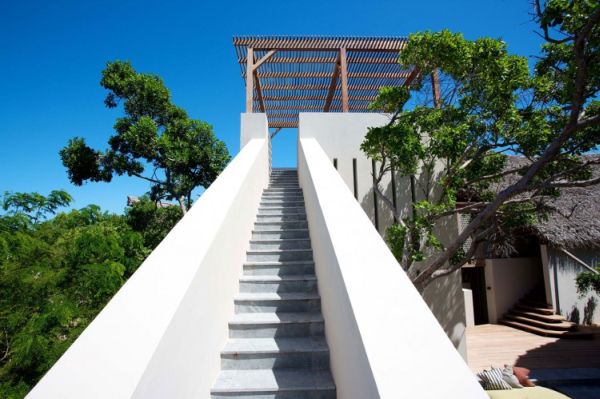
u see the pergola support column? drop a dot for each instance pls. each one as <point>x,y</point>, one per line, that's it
<point>344,76</point>
<point>250,80</point>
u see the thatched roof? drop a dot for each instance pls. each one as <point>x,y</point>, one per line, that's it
<point>575,223</point>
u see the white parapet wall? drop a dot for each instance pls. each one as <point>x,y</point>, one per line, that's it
<point>384,340</point>
<point>160,336</point>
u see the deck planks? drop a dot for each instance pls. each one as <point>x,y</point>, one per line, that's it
<point>492,344</point>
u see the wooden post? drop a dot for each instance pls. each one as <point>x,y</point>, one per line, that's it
<point>261,101</point>
<point>435,86</point>
<point>332,85</point>
<point>249,80</point>
<point>344,73</point>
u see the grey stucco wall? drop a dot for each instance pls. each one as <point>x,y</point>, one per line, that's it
<point>562,271</point>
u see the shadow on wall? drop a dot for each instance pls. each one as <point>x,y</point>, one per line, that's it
<point>576,308</point>
<point>589,311</point>
<point>385,216</point>
<point>367,204</point>
<point>449,307</point>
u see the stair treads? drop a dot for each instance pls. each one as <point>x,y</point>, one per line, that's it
<point>272,381</point>
<point>277,318</point>
<point>278,278</point>
<point>275,345</point>
<point>270,296</point>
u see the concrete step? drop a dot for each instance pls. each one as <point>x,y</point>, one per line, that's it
<point>284,178</point>
<point>258,302</point>
<point>287,268</point>
<point>274,255</point>
<point>279,325</point>
<point>283,190</point>
<point>279,234</point>
<point>281,210</point>
<point>560,326</point>
<point>309,353</point>
<point>273,194</point>
<point>289,217</point>
<point>293,185</point>
<point>274,384</point>
<point>533,329</point>
<point>278,202</point>
<point>290,243</point>
<point>281,225</point>
<point>536,303</point>
<point>282,204</point>
<point>548,318</point>
<point>535,309</point>
<point>279,284</point>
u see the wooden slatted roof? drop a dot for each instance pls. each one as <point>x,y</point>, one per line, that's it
<point>286,75</point>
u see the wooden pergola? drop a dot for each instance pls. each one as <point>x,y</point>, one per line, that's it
<point>287,75</point>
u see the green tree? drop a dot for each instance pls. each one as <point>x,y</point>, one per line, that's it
<point>55,276</point>
<point>152,221</point>
<point>34,206</point>
<point>155,141</point>
<point>490,106</point>
<point>588,281</point>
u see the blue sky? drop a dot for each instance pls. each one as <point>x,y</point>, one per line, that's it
<point>52,52</point>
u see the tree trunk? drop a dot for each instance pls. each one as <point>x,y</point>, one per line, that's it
<point>181,201</point>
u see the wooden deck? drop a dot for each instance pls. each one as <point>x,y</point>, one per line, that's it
<point>497,345</point>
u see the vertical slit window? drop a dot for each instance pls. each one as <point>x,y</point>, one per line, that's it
<point>354,177</point>
<point>335,163</point>
<point>373,167</point>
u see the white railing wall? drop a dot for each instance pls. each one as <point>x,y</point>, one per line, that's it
<point>384,340</point>
<point>161,334</point>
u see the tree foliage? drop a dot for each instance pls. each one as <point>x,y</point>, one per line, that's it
<point>58,270</point>
<point>155,140</point>
<point>490,106</point>
<point>588,281</point>
<point>152,221</point>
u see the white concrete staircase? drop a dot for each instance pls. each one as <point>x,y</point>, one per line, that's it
<point>277,348</point>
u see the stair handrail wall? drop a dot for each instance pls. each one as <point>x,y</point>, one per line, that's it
<point>161,334</point>
<point>579,261</point>
<point>384,341</point>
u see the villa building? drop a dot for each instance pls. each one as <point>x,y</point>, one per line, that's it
<point>277,283</point>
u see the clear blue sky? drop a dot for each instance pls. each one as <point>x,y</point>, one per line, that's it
<point>52,52</point>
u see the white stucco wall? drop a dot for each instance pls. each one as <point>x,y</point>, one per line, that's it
<point>508,280</point>
<point>383,339</point>
<point>161,334</point>
<point>469,312</point>
<point>562,271</point>
<point>340,136</point>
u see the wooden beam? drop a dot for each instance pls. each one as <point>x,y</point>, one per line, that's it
<point>413,75</point>
<point>318,87</point>
<point>435,87</point>
<point>344,73</point>
<point>373,75</point>
<point>263,59</point>
<point>316,98</point>
<point>283,124</point>
<point>328,60</point>
<point>261,100</point>
<point>332,85</point>
<point>249,80</point>
<point>274,133</point>
<point>382,44</point>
